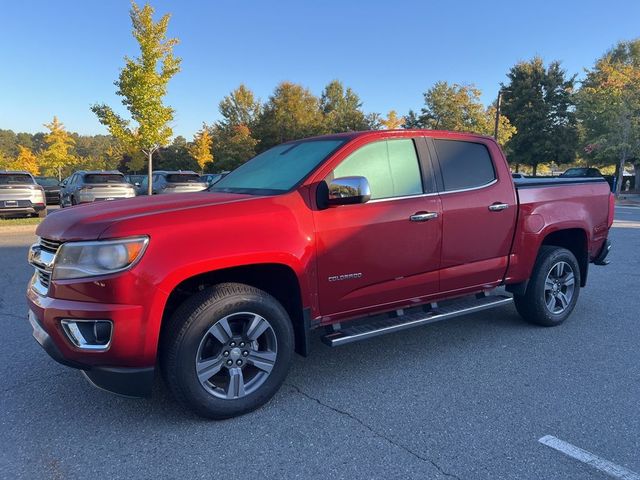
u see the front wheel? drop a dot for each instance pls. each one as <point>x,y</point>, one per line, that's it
<point>553,289</point>
<point>227,350</point>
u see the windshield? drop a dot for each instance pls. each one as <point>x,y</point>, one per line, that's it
<point>183,178</point>
<point>47,181</point>
<point>104,178</point>
<point>279,169</point>
<point>15,179</point>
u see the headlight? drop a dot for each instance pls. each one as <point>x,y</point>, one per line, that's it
<point>89,259</point>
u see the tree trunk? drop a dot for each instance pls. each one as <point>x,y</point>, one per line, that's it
<point>535,169</point>
<point>150,172</point>
<point>620,178</point>
<point>636,166</point>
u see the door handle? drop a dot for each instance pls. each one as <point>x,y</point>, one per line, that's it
<point>423,217</point>
<point>497,206</point>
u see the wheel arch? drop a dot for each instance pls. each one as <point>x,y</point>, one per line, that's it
<point>277,279</point>
<point>576,241</point>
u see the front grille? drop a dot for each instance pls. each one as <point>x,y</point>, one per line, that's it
<point>43,273</point>
<point>50,245</point>
<point>44,277</point>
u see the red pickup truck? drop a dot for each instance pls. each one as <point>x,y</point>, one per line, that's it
<point>353,235</point>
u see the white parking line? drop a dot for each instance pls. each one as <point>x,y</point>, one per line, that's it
<point>589,458</point>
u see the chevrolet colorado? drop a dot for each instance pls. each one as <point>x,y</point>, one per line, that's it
<point>355,234</point>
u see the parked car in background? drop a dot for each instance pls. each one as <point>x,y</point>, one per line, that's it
<point>51,186</point>
<point>135,180</point>
<point>92,186</point>
<point>518,175</point>
<point>213,178</point>
<point>174,182</point>
<point>21,195</point>
<point>581,172</point>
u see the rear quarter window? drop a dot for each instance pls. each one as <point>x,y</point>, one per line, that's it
<point>463,164</point>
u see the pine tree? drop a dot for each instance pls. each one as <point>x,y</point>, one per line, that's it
<point>539,103</point>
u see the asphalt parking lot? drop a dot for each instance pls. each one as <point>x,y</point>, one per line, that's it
<point>467,398</point>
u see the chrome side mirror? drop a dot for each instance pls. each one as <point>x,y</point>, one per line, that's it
<point>348,191</point>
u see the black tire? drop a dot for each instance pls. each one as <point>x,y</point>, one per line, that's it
<point>188,328</point>
<point>533,306</point>
<point>73,201</point>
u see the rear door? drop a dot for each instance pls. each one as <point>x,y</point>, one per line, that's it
<point>378,254</point>
<point>479,212</point>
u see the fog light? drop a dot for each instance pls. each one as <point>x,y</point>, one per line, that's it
<point>88,334</point>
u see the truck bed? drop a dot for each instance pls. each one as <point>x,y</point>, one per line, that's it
<point>554,181</point>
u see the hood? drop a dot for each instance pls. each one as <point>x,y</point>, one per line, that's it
<point>88,221</point>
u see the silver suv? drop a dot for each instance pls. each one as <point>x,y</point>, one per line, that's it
<point>174,182</point>
<point>21,195</point>
<point>92,186</point>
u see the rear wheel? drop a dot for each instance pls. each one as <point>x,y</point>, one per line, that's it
<point>227,350</point>
<point>553,288</point>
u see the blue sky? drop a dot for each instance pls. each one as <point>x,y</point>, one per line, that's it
<point>61,57</point>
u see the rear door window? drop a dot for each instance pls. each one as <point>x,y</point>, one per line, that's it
<point>464,165</point>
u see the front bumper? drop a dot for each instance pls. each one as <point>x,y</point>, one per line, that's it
<point>131,382</point>
<point>103,369</point>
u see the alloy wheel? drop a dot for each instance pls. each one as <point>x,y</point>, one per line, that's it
<point>236,355</point>
<point>559,287</point>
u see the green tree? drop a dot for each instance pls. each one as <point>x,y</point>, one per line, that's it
<point>200,149</point>
<point>341,109</point>
<point>232,146</point>
<point>142,84</point>
<point>539,102</point>
<point>609,109</point>
<point>412,120</point>
<point>176,156</point>
<point>240,107</point>
<point>5,161</point>
<point>458,108</point>
<point>57,155</point>
<point>292,112</point>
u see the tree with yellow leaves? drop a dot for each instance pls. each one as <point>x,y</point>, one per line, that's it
<point>200,149</point>
<point>392,122</point>
<point>26,161</point>
<point>59,142</point>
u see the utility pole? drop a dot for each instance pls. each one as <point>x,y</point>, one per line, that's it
<point>498,103</point>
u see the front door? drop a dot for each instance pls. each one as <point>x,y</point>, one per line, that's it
<point>384,252</point>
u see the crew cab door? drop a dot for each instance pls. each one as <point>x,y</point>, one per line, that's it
<point>386,251</point>
<point>479,212</point>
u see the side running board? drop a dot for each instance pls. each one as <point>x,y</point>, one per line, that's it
<point>384,325</point>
